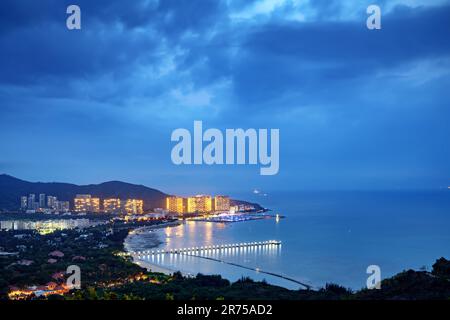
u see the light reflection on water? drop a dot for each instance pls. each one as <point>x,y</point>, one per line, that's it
<point>200,234</point>
<point>328,237</point>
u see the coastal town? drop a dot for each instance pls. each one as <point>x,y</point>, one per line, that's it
<point>176,206</point>
<point>46,235</point>
<point>42,240</point>
<point>35,265</point>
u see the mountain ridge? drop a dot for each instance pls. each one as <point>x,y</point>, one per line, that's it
<point>12,188</point>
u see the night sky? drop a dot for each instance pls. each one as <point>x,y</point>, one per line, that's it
<point>357,109</point>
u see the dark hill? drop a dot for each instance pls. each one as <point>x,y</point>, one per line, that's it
<point>11,189</point>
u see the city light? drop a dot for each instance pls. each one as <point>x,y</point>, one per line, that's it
<point>199,204</point>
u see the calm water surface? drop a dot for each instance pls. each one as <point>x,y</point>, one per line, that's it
<point>327,237</point>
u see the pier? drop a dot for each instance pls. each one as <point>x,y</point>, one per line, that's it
<point>258,270</point>
<point>205,249</point>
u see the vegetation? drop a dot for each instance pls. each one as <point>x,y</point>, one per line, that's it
<point>35,259</point>
<point>408,285</point>
<point>108,274</point>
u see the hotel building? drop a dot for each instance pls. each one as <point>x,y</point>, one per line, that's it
<point>62,206</point>
<point>85,203</point>
<point>23,203</point>
<point>199,204</point>
<point>42,200</point>
<point>111,205</point>
<point>31,204</point>
<point>134,206</point>
<point>51,202</point>
<point>175,204</point>
<point>222,203</point>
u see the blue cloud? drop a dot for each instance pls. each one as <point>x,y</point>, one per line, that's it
<point>350,102</point>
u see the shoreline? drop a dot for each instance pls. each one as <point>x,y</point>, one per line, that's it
<point>145,264</point>
<point>154,242</point>
<point>150,267</point>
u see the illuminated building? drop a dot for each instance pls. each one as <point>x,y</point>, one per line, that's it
<point>95,205</point>
<point>42,200</point>
<point>82,202</point>
<point>175,204</point>
<point>85,203</point>
<point>30,204</point>
<point>199,204</point>
<point>23,203</point>
<point>62,206</point>
<point>221,203</point>
<point>51,202</point>
<point>234,209</point>
<point>111,205</point>
<point>134,206</point>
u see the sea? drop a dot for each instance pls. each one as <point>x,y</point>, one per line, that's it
<point>326,237</point>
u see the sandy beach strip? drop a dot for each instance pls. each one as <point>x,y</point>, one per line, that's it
<point>152,243</point>
<point>153,267</point>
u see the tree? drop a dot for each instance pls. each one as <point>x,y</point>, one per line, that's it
<point>442,268</point>
<point>169,296</point>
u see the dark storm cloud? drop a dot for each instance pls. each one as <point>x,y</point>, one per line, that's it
<point>283,57</point>
<point>347,99</point>
<point>116,36</point>
<point>30,55</point>
<point>263,60</point>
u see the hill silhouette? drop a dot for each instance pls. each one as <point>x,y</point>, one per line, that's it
<point>11,189</point>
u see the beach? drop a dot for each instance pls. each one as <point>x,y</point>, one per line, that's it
<point>327,237</point>
<point>147,238</point>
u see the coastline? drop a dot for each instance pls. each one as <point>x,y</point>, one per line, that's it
<point>150,267</point>
<point>154,242</point>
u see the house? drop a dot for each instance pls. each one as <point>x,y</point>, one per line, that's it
<point>25,262</point>
<point>79,258</point>
<point>56,253</point>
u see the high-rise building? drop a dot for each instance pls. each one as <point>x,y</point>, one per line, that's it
<point>95,205</point>
<point>134,206</point>
<point>51,202</point>
<point>234,209</point>
<point>175,204</point>
<point>30,204</point>
<point>111,205</point>
<point>42,200</point>
<point>62,206</point>
<point>222,203</point>
<point>199,204</point>
<point>85,203</point>
<point>23,203</point>
<point>82,202</point>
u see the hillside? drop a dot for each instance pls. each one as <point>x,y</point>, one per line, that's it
<point>11,189</point>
